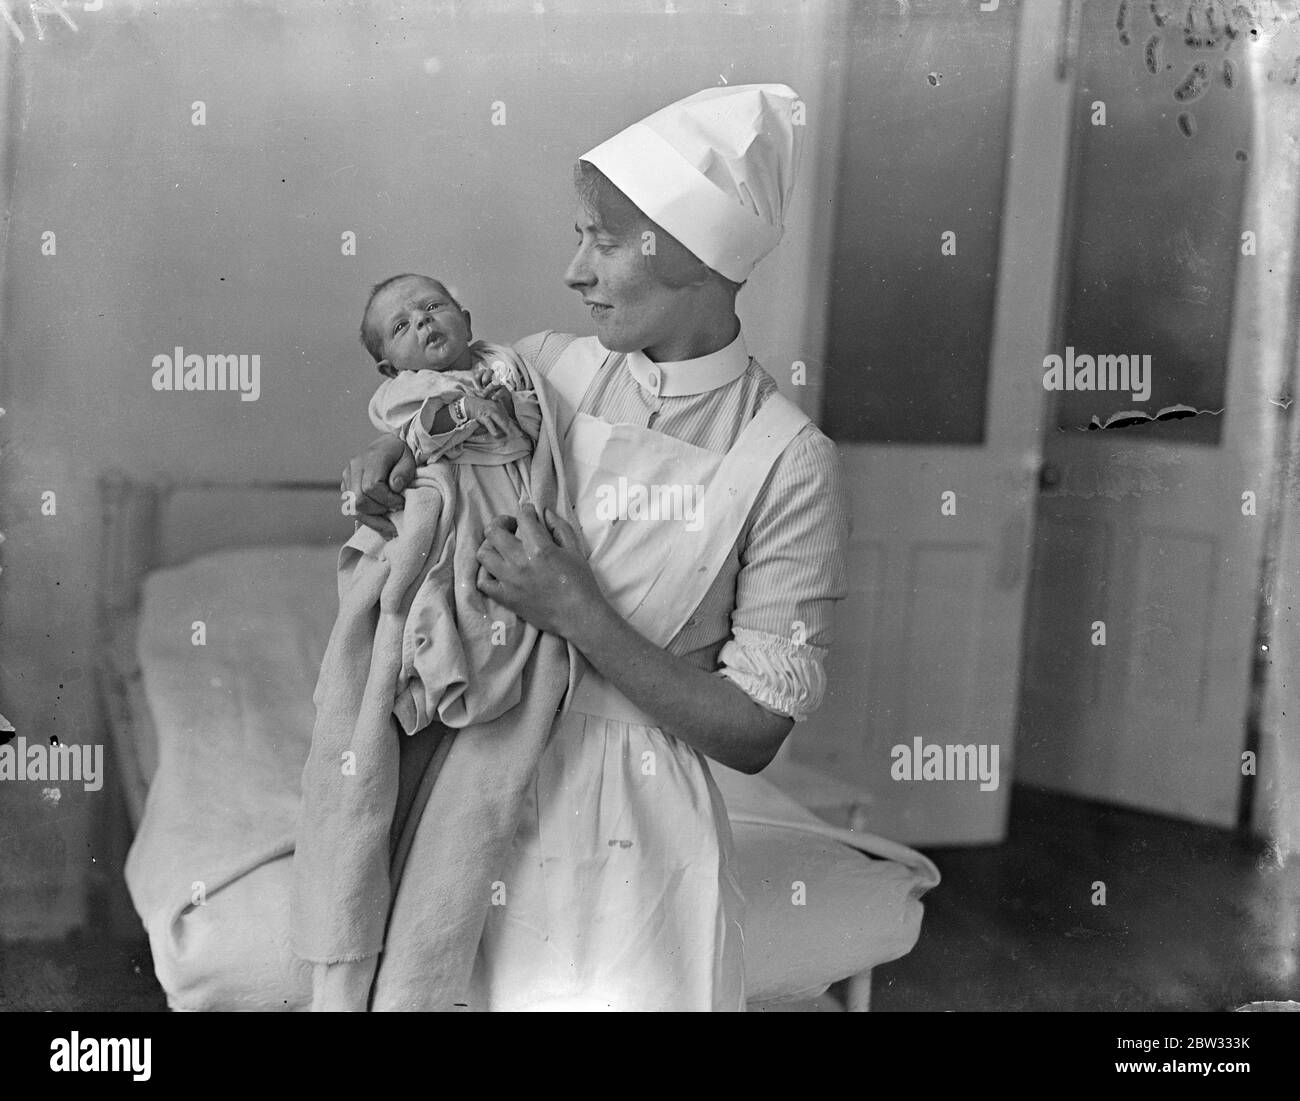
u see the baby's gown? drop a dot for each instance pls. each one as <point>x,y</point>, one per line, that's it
<point>462,652</point>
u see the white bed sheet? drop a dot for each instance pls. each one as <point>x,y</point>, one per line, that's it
<point>209,870</point>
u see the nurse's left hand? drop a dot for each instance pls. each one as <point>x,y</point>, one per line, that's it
<point>538,571</point>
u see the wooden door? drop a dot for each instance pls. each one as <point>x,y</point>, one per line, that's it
<point>1150,537</point>
<point>950,188</point>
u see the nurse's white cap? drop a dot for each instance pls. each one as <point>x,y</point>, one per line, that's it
<point>715,169</point>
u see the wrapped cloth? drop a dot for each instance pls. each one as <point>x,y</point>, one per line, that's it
<point>503,698</point>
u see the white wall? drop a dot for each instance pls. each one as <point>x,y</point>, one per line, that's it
<point>370,117</point>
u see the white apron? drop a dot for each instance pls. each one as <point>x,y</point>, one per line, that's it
<point>622,892</point>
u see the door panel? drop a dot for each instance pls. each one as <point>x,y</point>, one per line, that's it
<point>942,616</point>
<point>1175,587</point>
<point>928,89</point>
<point>1075,552</point>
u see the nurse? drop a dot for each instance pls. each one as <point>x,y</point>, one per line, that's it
<point>706,626</point>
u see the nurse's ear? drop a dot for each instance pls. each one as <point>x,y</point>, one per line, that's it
<point>672,263</point>
<point>469,328</point>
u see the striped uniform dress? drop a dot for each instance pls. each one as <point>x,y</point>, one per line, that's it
<point>588,921</point>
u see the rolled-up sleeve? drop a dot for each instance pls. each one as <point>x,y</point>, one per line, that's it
<point>793,570</point>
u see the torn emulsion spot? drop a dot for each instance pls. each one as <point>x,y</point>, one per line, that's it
<point>1130,417</point>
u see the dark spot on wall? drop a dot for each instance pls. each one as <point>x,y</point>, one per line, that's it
<point>1151,54</point>
<point>1194,84</point>
<point>1187,124</point>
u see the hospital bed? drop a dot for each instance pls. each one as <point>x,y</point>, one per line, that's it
<point>254,565</point>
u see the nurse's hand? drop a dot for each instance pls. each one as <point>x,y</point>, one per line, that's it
<point>375,480</point>
<point>539,572</point>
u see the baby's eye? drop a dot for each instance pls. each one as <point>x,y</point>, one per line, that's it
<point>399,327</point>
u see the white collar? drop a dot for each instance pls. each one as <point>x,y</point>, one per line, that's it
<point>691,376</point>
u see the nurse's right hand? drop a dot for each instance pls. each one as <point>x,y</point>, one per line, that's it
<point>376,478</point>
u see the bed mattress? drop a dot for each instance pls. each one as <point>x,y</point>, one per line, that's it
<point>228,648</point>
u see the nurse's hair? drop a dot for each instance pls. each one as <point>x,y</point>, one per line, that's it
<point>671,263</point>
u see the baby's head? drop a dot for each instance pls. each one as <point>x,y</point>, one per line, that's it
<point>411,323</point>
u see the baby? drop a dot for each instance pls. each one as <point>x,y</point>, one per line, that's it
<point>441,388</point>
<point>468,413</point>
<point>415,643</point>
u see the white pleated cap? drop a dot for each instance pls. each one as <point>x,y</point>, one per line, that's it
<point>715,169</point>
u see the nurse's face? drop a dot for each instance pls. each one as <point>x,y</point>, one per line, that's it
<point>632,310</point>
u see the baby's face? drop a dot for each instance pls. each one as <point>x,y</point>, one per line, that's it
<point>421,327</point>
